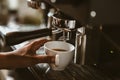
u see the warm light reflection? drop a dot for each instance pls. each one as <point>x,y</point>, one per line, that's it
<point>92,13</point>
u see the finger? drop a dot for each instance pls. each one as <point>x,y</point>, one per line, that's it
<point>38,43</point>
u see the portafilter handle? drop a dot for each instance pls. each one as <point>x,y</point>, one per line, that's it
<point>13,38</point>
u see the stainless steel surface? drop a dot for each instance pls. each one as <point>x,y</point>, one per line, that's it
<point>62,21</point>
<point>2,40</point>
<point>80,44</point>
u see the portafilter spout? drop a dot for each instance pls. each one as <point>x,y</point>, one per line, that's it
<point>62,21</point>
<point>65,23</point>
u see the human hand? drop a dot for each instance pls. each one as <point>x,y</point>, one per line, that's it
<point>26,56</point>
<point>30,48</point>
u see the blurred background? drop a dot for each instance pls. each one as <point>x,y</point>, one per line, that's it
<point>106,12</point>
<point>21,12</point>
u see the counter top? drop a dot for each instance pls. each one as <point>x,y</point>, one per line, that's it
<point>72,72</point>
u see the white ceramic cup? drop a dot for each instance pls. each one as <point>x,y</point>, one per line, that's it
<point>62,50</point>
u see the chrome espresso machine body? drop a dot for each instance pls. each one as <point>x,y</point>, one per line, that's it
<point>69,25</point>
<point>64,28</point>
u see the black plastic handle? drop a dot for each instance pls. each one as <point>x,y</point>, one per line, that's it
<point>13,38</point>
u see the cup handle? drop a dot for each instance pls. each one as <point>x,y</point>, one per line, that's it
<point>57,61</point>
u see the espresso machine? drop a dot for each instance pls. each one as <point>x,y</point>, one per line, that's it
<point>72,21</point>
<point>65,25</point>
